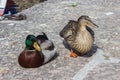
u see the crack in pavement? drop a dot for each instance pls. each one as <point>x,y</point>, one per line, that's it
<point>99,57</point>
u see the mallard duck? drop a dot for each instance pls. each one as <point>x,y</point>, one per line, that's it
<point>79,36</point>
<point>47,46</point>
<point>33,56</point>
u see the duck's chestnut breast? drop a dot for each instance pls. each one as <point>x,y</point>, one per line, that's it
<point>31,59</point>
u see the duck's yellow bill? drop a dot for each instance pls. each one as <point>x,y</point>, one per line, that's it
<point>36,46</point>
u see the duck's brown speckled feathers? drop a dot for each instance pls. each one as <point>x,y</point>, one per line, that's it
<point>79,35</point>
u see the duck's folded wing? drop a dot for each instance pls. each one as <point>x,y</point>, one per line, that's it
<point>90,31</point>
<point>47,45</point>
<point>48,55</point>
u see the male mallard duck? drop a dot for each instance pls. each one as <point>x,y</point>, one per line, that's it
<point>33,56</point>
<point>47,46</point>
<point>79,36</point>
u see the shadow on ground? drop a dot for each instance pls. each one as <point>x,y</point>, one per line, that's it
<point>89,54</point>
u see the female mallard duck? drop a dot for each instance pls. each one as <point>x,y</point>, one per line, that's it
<point>33,56</point>
<point>47,46</point>
<point>79,36</point>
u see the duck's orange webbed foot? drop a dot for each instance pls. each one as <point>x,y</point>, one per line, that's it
<point>72,54</point>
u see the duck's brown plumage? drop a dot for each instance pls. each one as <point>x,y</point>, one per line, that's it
<point>31,59</point>
<point>78,34</point>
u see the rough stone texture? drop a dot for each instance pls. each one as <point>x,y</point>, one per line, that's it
<point>50,17</point>
<point>105,72</point>
<point>24,4</point>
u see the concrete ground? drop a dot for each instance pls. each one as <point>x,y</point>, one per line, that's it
<point>50,17</point>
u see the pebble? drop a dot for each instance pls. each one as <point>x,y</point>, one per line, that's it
<point>109,13</point>
<point>4,70</point>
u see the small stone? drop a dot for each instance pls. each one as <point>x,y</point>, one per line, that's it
<point>4,70</point>
<point>11,24</point>
<point>2,39</point>
<point>12,55</point>
<point>109,13</point>
<point>14,43</point>
<point>74,4</point>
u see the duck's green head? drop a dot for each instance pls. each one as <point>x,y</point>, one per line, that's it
<point>31,43</point>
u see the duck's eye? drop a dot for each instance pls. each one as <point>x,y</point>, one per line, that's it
<point>69,37</point>
<point>70,24</point>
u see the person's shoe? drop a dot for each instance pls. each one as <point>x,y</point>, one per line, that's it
<point>16,17</point>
